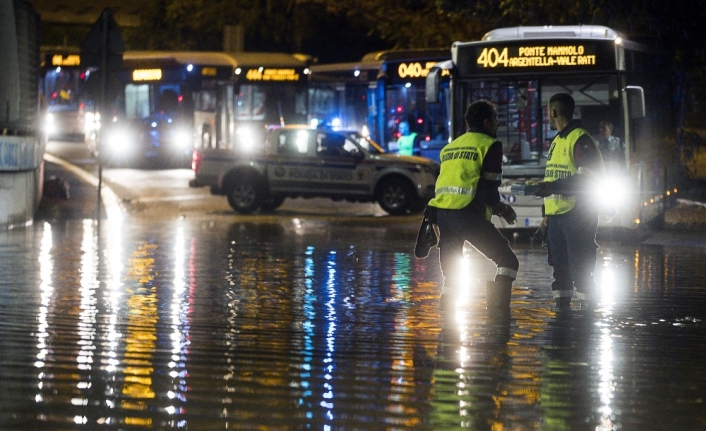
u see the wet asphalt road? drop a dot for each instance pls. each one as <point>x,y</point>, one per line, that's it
<point>176,319</point>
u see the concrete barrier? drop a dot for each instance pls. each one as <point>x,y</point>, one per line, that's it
<point>21,177</point>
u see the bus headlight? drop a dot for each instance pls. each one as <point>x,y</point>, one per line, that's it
<point>119,141</point>
<point>182,139</point>
<point>49,126</point>
<point>611,191</point>
<point>92,122</point>
<point>246,137</point>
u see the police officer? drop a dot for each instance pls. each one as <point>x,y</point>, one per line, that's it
<point>574,163</point>
<point>466,198</point>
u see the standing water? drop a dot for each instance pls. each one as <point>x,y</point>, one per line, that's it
<point>288,324</point>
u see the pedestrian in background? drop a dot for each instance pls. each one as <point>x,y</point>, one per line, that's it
<point>574,165</point>
<point>466,198</point>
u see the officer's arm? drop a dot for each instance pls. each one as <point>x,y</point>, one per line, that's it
<point>491,174</point>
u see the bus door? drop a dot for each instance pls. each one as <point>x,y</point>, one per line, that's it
<point>598,103</point>
<point>224,116</point>
<point>205,107</point>
<point>377,112</point>
<point>250,117</point>
<point>406,103</point>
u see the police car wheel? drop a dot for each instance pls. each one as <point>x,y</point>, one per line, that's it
<point>395,196</point>
<point>245,196</point>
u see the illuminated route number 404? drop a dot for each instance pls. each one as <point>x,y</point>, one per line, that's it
<point>490,57</point>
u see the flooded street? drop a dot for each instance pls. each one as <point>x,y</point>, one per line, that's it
<point>286,323</point>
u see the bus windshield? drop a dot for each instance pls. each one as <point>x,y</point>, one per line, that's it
<point>521,106</point>
<point>271,105</point>
<point>62,88</point>
<point>152,101</point>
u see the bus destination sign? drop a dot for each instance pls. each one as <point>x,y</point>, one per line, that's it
<point>66,60</point>
<point>536,55</point>
<point>266,74</point>
<point>529,56</point>
<point>413,69</point>
<point>147,74</point>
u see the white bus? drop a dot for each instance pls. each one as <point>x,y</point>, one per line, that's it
<point>164,104</point>
<point>610,78</point>
<point>62,92</point>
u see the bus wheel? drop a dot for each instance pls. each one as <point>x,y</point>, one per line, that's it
<point>246,195</point>
<point>395,196</point>
<point>272,203</point>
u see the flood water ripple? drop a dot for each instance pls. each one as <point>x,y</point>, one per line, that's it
<point>291,325</point>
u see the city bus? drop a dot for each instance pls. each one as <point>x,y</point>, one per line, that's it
<point>610,78</point>
<point>62,92</point>
<point>166,104</point>
<point>375,95</point>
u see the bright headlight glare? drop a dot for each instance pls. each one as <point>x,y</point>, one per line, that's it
<point>119,141</point>
<point>49,126</point>
<point>612,190</point>
<point>246,138</point>
<point>92,121</point>
<point>182,139</point>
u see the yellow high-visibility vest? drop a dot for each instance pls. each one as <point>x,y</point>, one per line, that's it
<point>561,164</point>
<point>461,162</point>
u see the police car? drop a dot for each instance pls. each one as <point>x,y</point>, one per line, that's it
<point>304,161</point>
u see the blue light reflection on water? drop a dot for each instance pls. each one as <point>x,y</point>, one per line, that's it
<point>196,326</point>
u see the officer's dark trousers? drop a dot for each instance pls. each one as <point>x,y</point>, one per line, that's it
<point>572,251</point>
<point>458,226</point>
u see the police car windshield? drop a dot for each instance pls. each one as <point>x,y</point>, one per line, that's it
<point>367,143</point>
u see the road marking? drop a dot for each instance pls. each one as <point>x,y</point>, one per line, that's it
<point>169,198</point>
<point>111,202</point>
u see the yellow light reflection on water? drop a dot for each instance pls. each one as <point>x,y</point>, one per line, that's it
<point>402,358</point>
<point>113,294</point>
<point>141,332</point>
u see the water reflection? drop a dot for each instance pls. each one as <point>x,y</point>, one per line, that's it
<point>283,326</point>
<point>46,267</point>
